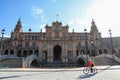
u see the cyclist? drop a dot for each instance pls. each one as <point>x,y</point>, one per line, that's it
<point>90,64</point>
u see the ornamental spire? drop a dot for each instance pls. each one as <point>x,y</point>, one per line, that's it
<point>57,17</point>
<point>93,22</point>
<point>18,27</point>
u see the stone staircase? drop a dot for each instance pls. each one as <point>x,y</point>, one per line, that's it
<point>12,62</point>
<point>101,61</point>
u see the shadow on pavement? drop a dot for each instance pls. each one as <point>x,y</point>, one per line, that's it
<point>85,76</point>
<point>8,77</point>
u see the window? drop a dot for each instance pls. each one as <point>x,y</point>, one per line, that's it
<point>79,44</point>
<point>44,56</point>
<point>105,51</point>
<point>32,37</point>
<point>64,34</point>
<point>15,38</point>
<point>15,43</point>
<point>57,34</point>
<point>70,55</point>
<point>56,28</point>
<point>33,44</point>
<point>45,45</point>
<point>77,37</point>
<point>35,37</point>
<point>69,45</point>
<point>80,38</point>
<point>26,44</point>
<point>26,37</point>
<point>70,37</point>
<point>21,38</point>
<point>83,38</point>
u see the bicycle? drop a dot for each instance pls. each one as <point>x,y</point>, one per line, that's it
<point>87,70</point>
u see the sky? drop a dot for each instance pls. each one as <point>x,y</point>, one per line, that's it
<point>78,14</point>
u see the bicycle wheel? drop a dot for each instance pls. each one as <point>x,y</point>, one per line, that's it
<point>95,70</point>
<point>86,71</point>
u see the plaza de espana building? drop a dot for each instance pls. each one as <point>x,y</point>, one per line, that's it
<point>56,44</point>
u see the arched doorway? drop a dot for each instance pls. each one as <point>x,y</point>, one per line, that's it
<point>19,53</point>
<point>100,51</point>
<point>12,52</point>
<point>57,53</point>
<point>34,63</point>
<point>25,53</point>
<point>81,61</point>
<point>6,52</point>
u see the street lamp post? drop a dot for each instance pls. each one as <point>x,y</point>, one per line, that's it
<point>92,43</point>
<point>86,43</point>
<point>110,32</point>
<point>29,30</point>
<point>3,32</point>
<point>93,50</point>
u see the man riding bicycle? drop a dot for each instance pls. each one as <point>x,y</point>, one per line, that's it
<point>90,64</point>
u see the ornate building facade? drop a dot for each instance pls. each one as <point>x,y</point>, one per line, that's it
<point>56,44</point>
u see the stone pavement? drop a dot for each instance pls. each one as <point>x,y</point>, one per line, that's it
<point>104,73</point>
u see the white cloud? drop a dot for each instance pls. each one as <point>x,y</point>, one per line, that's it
<point>79,24</point>
<point>37,12</point>
<point>43,18</point>
<point>5,35</point>
<point>53,0</point>
<point>106,14</point>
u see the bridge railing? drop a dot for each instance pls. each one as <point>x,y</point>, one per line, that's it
<point>7,56</point>
<point>28,60</point>
<point>112,56</point>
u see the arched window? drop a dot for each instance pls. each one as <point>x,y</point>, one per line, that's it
<point>19,53</point>
<point>6,52</point>
<point>11,52</point>
<point>44,56</point>
<point>25,53</point>
<point>36,52</point>
<point>100,51</point>
<point>105,51</point>
<point>70,55</point>
<point>82,52</point>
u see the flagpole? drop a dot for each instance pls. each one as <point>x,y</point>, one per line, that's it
<point>57,17</point>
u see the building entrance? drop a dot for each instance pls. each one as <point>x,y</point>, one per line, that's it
<point>57,53</point>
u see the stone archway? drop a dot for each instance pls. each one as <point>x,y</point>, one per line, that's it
<point>19,53</point>
<point>34,63</point>
<point>57,50</point>
<point>11,52</point>
<point>81,61</point>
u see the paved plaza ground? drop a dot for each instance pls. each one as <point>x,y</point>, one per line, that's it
<point>104,73</point>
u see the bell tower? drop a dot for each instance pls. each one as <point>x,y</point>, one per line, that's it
<point>18,27</point>
<point>15,35</point>
<point>94,31</point>
<point>93,27</point>
<point>95,38</point>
